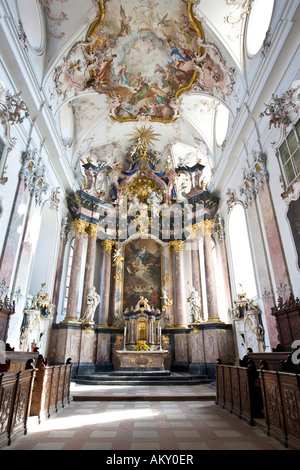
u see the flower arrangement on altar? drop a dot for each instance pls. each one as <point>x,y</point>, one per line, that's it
<point>142,346</point>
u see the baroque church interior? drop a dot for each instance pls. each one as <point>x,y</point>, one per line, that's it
<point>149,205</point>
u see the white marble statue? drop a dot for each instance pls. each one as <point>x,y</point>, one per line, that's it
<point>154,198</point>
<point>195,305</point>
<point>92,301</point>
<point>166,301</point>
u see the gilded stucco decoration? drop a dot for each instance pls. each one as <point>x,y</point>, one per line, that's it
<point>255,175</point>
<point>34,173</point>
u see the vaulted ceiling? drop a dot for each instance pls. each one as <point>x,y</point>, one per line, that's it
<point>179,67</point>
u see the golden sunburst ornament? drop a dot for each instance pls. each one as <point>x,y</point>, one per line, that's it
<point>144,135</point>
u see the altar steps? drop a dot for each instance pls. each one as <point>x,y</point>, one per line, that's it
<point>141,378</point>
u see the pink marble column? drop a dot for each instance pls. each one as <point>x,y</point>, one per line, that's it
<point>115,279</point>
<point>196,271</point>
<point>180,301</point>
<point>112,296</point>
<point>210,279</point>
<point>264,271</point>
<point>277,256</point>
<point>80,227</point>
<point>105,282</point>
<point>171,290</point>
<point>92,231</point>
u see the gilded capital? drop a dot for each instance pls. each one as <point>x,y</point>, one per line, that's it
<point>201,228</point>
<point>176,245</point>
<point>80,226</point>
<point>108,245</point>
<point>207,226</point>
<point>92,231</point>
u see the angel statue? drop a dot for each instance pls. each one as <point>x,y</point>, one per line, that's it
<point>92,301</point>
<point>154,198</point>
<point>195,305</point>
<point>166,301</point>
<point>117,257</point>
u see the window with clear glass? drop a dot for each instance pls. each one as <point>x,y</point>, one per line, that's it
<point>290,155</point>
<point>241,256</point>
<point>68,275</point>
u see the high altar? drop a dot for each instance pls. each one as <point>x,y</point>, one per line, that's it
<point>146,233</point>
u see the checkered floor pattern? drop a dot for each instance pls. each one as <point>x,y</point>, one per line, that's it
<point>175,420</point>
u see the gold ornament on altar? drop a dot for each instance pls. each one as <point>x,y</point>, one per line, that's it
<point>167,278</point>
<point>144,136</point>
<point>165,340</point>
<point>201,228</point>
<point>117,256</point>
<point>176,245</point>
<point>108,245</point>
<point>141,187</point>
<point>143,305</point>
<point>118,278</point>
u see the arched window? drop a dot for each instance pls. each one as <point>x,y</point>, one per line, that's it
<point>30,14</point>
<point>241,256</point>
<point>259,22</point>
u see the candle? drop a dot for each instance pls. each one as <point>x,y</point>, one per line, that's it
<point>160,338</point>
<point>124,338</point>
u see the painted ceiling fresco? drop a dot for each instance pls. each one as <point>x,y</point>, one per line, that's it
<point>143,54</point>
<point>176,65</point>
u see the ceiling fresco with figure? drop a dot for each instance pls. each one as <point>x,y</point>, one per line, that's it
<point>112,65</point>
<point>144,59</point>
<point>143,56</point>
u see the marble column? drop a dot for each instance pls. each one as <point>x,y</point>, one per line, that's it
<point>196,270</point>
<point>171,292</point>
<point>264,267</point>
<point>115,274</point>
<point>80,227</point>
<point>210,279</point>
<point>180,301</point>
<point>60,261</point>
<point>92,231</point>
<point>275,246</point>
<point>105,282</point>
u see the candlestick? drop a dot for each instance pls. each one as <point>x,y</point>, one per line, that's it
<point>124,348</point>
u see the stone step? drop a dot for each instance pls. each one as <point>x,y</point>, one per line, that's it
<point>140,378</point>
<point>139,382</point>
<point>182,397</point>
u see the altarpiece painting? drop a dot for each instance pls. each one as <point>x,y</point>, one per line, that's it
<point>142,273</point>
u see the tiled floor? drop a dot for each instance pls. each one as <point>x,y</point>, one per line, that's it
<point>180,424</point>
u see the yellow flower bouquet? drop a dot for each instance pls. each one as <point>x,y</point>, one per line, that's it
<point>142,346</point>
